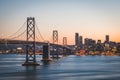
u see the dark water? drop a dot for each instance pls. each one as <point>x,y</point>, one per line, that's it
<point>67,68</point>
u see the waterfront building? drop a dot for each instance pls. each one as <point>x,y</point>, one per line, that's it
<point>99,42</point>
<point>76,39</point>
<point>80,40</point>
<point>107,38</point>
<point>86,42</point>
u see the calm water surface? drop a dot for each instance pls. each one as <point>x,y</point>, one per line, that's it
<point>67,68</point>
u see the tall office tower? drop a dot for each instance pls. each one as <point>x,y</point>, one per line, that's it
<point>107,38</point>
<point>86,41</point>
<point>89,41</point>
<point>93,42</point>
<point>80,40</point>
<point>76,38</point>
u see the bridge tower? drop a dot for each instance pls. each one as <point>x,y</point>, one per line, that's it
<point>55,37</point>
<point>64,41</point>
<point>65,45</point>
<point>30,48</point>
<point>55,41</point>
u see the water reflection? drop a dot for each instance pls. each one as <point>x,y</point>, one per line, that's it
<point>30,73</point>
<point>67,68</point>
<point>46,62</point>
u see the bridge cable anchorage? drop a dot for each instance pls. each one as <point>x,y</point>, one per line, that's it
<point>30,47</point>
<point>17,30</point>
<point>40,33</point>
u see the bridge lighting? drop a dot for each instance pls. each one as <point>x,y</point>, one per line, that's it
<point>19,48</point>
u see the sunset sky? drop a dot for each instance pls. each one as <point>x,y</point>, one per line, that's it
<point>90,18</point>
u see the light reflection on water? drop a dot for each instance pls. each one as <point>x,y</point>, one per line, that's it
<point>67,68</point>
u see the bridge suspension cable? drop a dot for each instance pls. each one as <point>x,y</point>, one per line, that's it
<point>18,35</point>
<point>39,33</point>
<point>17,30</point>
<point>38,39</point>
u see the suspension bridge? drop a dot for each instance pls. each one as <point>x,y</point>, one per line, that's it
<point>30,40</point>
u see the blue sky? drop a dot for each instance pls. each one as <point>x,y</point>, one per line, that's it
<point>90,18</point>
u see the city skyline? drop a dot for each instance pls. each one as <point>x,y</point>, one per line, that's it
<point>79,40</point>
<point>90,18</point>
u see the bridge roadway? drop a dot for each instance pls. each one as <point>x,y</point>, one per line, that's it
<point>8,41</point>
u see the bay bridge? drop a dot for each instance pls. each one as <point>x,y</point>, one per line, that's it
<point>31,40</point>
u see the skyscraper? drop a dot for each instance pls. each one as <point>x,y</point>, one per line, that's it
<point>107,38</point>
<point>80,40</point>
<point>86,42</point>
<point>76,38</point>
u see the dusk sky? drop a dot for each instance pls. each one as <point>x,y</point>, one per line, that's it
<point>90,18</point>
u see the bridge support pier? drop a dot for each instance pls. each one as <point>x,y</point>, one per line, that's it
<point>68,52</point>
<point>46,54</point>
<point>64,52</point>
